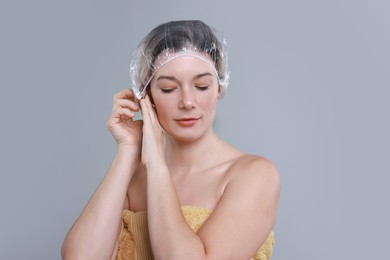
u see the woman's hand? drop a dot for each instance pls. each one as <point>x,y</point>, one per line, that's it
<point>125,130</point>
<point>153,137</point>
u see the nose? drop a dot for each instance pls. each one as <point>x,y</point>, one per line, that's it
<point>187,100</point>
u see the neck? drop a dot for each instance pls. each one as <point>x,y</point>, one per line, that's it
<point>186,157</point>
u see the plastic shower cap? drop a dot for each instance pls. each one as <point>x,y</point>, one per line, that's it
<point>175,39</point>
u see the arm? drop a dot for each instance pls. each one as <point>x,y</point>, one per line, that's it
<point>94,235</point>
<point>239,224</point>
<point>246,212</point>
<point>95,232</point>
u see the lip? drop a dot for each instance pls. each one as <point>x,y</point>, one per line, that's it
<point>187,121</point>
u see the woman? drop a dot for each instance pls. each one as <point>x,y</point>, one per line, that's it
<point>175,190</point>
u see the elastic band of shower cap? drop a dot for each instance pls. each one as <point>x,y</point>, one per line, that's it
<point>144,65</point>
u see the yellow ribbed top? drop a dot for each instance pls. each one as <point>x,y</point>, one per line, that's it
<point>134,243</point>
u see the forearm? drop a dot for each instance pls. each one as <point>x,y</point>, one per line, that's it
<point>95,232</point>
<point>170,235</point>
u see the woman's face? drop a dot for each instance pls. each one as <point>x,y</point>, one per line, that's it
<point>185,92</point>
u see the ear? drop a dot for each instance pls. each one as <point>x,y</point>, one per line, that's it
<point>219,92</point>
<point>149,93</point>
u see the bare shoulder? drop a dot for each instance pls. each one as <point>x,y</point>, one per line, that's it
<point>250,161</point>
<point>252,181</point>
<point>247,209</point>
<point>254,168</point>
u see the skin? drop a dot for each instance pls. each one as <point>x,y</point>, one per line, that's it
<point>194,167</point>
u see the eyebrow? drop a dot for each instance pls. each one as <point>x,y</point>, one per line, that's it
<point>175,79</point>
<point>202,75</point>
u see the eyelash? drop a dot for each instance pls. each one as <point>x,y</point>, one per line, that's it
<point>201,88</point>
<point>169,90</point>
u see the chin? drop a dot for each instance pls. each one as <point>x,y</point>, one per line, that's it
<point>186,135</point>
<point>185,138</point>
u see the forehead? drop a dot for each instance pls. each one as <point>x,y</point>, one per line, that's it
<point>185,66</point>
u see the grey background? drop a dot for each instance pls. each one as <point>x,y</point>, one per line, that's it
<point>309,90</point>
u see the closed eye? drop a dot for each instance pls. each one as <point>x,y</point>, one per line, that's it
<point>202,88</point>
<point>167,90</point>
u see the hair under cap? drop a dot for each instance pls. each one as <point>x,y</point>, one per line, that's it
<point>175,39</point>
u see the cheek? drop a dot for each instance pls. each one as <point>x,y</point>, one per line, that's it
<point>163,112</point>
<point>209,103</point>
<point>209,108</point>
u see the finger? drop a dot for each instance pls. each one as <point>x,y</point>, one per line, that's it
<point>125,103</point>
<point>152,113</point>
<point>121,114</point>
<point>144,111</point>
<point>126,93</point>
